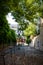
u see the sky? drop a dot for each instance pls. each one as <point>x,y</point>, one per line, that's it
<point>10,19</point>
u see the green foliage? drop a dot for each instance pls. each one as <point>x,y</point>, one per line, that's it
<point>13,36</point>
<point>6,35</point>
<point>4,29</point>
<point>31,30</point>
<point>28,40</point>
<point>27,9</point>
<point>22,9</point>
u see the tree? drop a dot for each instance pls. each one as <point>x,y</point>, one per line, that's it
<point>28,9</point>
<point>31,30</point>
<point>13,37</point>
<point>4,29</point>
<point>5,32</point>
<point>6,35</point>
<point>21,10</point>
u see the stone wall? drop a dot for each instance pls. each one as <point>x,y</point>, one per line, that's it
<point>21,56</point>
<point>23,60</point>
<point>37,41</point>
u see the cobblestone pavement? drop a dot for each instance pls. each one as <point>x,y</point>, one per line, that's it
<point>20,55</point>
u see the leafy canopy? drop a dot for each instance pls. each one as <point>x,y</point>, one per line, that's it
<point>21,10</point>
<point>31,30</point>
